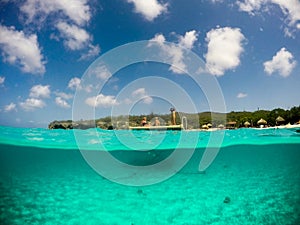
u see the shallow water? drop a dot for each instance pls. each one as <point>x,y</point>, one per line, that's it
<point>55,185</point>
<point>97,139</point>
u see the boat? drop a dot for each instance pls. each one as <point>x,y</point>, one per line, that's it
<point>169,127</point>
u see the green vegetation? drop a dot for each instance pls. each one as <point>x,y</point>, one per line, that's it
<point>290,116</point>
<point>197,120</point>
<point>193,120</point>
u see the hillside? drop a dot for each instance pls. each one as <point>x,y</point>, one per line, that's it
<point>193,120</point>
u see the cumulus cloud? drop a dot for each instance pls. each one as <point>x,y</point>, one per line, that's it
<point>74,83</point>
<point>75,38</point>
<point>21,50</point>
<point>139,92</point>
<point>250,6</point>
<point>159,38</point>
<point>61,102</point>
<point>101,101</point>
<point>224,49</point>
<point>290,8</point>
<point>61,99</point>
<point>178,66</point>
<point>93,50</point>
<point>89,88</point>
<point>101,72</point>
<point>188,40</point>
<point>283,63</point>
<point>142,94</point>
<point>147,100</point>
<point>10,107</point>
<point>64,95</point>
<point>241,95</point>
<point>2,79</point>
<point>32,103</point>
<point>175,53</point>
<point>77,11</point>
<point>40,91</point>
<point>216,1</point>
<point>150,9</point>
<point>70,18</point>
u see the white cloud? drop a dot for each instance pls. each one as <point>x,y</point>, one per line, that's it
<point>188,40</point>
<point>64,95</point>
<point>147,100</point>
<point>61,99</point>
<point>74,83</point>
<point>2,79</point>
<point>175,53</point>
<point>250,6</point>
<point>69,17</point>
<point>101,72</point>
<point>92,52</point>
<point>21,50</point>
<point>159,39</point>
<point>283,62</point>
<point>142,94</point>
<point>241,95</point>
<point>139,92</point>
<point>290,8</point>
<point>32,103</point>
<point>88,88</point>
<point>75,38</point>
<point>288,32</point>
<point>150,9</point>
<point>224,49</point>
<point>77,11</point>
<point>40,91</point>
<point>101,101</point>
<point>10,107</point>
<point>61,102</point>
<point>216,1</point>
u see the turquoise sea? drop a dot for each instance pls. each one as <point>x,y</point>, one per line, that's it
<point>254,178</point>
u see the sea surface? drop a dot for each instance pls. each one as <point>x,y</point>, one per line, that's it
<point>253,179</point>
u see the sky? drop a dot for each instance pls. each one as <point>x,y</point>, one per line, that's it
<point>251,48</point>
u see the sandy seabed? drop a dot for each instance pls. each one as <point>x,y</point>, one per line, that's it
<point>259,184</point>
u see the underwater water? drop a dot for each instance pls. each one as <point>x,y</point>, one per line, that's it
<point>254,179</point>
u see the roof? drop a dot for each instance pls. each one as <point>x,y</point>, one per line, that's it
<point>279,119</point>
<point>261,121</point>
<point>231,123</point>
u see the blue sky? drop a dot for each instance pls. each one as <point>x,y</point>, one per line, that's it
<point>251,47</point>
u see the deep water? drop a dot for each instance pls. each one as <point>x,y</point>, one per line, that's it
<point>245,184</point>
